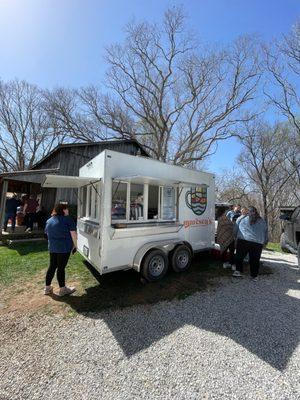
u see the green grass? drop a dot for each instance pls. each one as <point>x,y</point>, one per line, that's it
<point>22,261</point>
<point>274,247</point>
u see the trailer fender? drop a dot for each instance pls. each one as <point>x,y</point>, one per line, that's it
<point>166,246</point>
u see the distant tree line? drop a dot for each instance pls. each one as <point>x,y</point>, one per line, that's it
<point>268,168</point>
<point>179,99</point>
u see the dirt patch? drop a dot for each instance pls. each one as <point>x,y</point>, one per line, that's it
<point>29,298</point>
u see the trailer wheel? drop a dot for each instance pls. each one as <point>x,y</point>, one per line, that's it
<point>155,265</point>
<point>181,258</point>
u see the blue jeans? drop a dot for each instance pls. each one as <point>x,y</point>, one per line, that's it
<point>12,217</point>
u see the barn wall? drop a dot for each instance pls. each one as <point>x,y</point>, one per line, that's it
<point>53,161</point>
<point>48,199</point>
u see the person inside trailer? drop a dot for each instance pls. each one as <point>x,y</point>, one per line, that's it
<point>137,208</point>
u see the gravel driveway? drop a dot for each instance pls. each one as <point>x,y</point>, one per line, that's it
<point>239,340</point>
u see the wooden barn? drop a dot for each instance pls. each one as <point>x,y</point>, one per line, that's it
<point>65,159</point>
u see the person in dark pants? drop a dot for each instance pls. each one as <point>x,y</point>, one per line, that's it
<point>11,206</point>
<point>252,235</point>
<point>62,239</point>
<point>30,210</point>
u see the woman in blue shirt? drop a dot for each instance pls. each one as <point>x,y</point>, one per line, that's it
<point>251,233</point>
<point>62,239</point>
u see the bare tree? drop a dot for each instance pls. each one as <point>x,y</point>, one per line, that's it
<point>71,116</point>
<point>268,160</point>
<point>178,101</point>
<point>25,130</point>
<point>233,187</point>
<point>283,67</point>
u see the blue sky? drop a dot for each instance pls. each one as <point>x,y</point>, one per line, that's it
<point>61,42</point>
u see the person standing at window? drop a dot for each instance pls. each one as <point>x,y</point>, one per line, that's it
<point>252,235</point>
<point>234,214</point>
<point>62,239</point>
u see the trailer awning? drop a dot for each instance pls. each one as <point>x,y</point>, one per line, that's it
<point>61,181</point>
<point>155,181</point>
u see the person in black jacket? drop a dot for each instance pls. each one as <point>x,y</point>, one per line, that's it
<point>11,206</point>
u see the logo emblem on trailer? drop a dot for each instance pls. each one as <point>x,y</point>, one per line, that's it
<point>196,199</point>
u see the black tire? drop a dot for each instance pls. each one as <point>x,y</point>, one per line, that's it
<point>283,243</point>
<point>298,253</point>
<point>181,258</point>
<point>154,265</point>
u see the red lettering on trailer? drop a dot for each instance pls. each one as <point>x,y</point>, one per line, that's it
<point>197,221</point>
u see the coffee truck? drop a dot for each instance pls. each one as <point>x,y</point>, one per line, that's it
<point>137,212</point>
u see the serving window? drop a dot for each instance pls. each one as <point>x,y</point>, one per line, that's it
<point>168,203</point>
<point>132,202</point>
<point>153,202</point>
<point>119,201</point>
<point>90,201</point>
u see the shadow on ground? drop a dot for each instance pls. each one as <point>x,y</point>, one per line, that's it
<point>125,288</point>
<point>261,317</point>
<point>29,248</point>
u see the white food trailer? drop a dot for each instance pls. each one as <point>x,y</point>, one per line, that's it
<point>140,213</point>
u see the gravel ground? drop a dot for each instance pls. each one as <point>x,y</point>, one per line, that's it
<point>239,340</point>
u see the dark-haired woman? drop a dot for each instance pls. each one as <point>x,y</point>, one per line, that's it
<point>251,233</point>
<point>62,239</point>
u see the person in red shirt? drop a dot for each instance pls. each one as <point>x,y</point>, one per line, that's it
<point>30,210</point>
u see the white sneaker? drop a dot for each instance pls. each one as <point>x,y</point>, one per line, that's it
<point>28,230</point>
<point>233,267</point>
<point>237,274</point>
<point>48,290</point>
<point>66,290</point>
<point>254,279</point>
<point>226,265</point>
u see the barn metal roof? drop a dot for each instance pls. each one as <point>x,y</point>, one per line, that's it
<point>102,143</point>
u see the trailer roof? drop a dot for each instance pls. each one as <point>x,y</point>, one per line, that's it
<point>140,179</point>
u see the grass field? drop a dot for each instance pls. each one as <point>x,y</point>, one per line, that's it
<point>274,247</point>
<point>22,262</point>
<point>23,267</point>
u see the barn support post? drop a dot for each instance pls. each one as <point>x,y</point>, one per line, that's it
<point>2,202</point>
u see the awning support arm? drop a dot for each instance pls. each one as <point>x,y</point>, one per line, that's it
<point>94,187</point>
